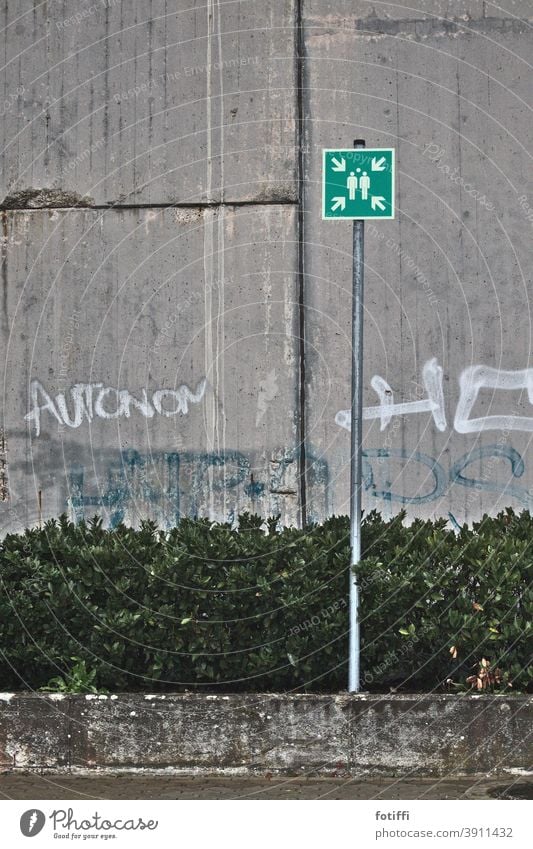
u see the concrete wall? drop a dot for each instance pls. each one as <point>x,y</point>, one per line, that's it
<point>247,734</point>
<point>170,348</point>
<point>150,296</point>
<point>448,281</point>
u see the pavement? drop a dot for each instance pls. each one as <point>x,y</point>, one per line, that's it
<point>150,786</point>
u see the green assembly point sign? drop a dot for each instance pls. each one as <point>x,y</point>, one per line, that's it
<point>358,183</point>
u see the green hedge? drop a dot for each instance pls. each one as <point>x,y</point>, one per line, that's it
<point>262,608</point>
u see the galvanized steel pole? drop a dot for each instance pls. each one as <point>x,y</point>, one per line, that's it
<point>356,440</point>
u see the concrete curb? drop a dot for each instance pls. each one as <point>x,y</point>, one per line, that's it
<point>256,733</point>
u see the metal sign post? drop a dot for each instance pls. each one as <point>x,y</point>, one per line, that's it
<point>357,185</point>
<point>356,440</point>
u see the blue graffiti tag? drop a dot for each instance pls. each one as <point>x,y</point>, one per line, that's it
<point>441,478</point>
<point>126,482</point>
<point>504,452</point>
<point>439,475</point>
<point>169,485</point>
<point>173,485</point>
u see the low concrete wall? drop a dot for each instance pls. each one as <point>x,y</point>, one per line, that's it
<point>251,734</point>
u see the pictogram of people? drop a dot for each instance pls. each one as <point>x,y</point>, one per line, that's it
<point>354,182</point>
<point>364,185</point>
<point>351,185</point>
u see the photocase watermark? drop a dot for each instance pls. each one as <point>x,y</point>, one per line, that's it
<point>188,72</point>
<point>10,100</point>
<point>390,661</point>
<point>4,481</point>
<point>268,390</point>
<point>326,613</point>
<point>435,153</point>
<point>376,233</point>
<point>78,17</point>
<point>526,207</point>
<point>196,298</point>
<point>69,341</point>
<point>96,147</point>
<point>66,820</point>
<point>65,355</point>
<point>415,394</point>
<point>32,822</point>
<point>317,618</point>
<point>63,820</point>
<point>485,476</point>
<point>360,158</point>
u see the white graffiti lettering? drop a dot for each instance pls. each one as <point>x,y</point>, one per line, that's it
<point>88,400</point>
<point>471,381</point>
<point>434,403</point>
<point>475,378</point>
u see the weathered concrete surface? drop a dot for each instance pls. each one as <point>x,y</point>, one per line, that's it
<point>163,102</point>
<point>444,10</point>
<point>34,731</point>
<point>447,87</point>
<point>192,315</point>
<point>220,103</point>
<point>249,734</point>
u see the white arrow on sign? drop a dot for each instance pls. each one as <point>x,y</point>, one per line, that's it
<point>376,201</point>
<point>378,164</point>
<point>338,201</point>
<point>338,166</point>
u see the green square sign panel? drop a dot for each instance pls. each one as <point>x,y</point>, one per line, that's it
<point>358,183</point>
